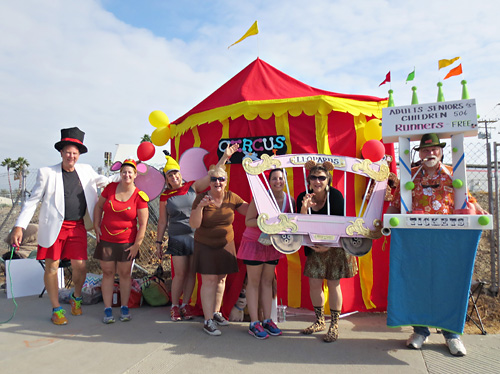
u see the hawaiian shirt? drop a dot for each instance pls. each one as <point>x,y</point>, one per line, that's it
<point>432,194</point>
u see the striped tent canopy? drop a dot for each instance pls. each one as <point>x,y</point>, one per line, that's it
<point>262,101</point>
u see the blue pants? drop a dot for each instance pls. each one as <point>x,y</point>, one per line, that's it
<point>422,330</point>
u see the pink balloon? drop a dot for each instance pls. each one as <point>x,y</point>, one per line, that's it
<point>373,150</point>
<point>145,151</point>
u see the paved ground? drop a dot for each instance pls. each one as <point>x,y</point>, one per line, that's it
<point>151,343</point>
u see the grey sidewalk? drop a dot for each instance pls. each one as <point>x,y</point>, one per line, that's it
<point>151,343</point>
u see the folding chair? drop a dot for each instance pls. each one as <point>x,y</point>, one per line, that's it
<point>63,264</point>
<point>475,292</point>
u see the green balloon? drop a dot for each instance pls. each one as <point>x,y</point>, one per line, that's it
<point>457,183</point>
<point>394,221</point>
<point>409,186</point>
<point>483,220</point>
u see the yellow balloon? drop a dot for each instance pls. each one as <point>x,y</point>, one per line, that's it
<point>160,136</point>
<point>373,129</point>
<point>158,119</point>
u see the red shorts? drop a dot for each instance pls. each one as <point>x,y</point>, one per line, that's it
<point>71,243</point>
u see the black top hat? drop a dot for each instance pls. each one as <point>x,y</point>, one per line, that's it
<point>430,140</point>
<point>71,136</point>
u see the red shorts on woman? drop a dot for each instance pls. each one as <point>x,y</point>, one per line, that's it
<point>71,243</point>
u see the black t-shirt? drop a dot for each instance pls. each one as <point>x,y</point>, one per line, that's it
<point>336,208</point>
<point>75,204</point>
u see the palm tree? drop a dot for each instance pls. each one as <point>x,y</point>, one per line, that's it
<point>146,138</point>
<point>20,169</point>
<point>9,163</point>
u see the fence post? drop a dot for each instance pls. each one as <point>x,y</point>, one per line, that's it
<point>495,213</point>
<point>493,289</point>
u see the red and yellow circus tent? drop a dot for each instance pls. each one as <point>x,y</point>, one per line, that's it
<point>261,101</point>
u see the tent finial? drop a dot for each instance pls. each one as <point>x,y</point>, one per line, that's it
<point>440,98</point>
<point>465,92</point>
<point>391,98</point>
<point>414,98</point>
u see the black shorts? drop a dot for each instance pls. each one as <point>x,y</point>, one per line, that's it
<point>255,263</point>
<point>181,245</point>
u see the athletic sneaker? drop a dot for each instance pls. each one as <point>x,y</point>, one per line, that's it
<point>76,305</point>
<point>125,315</point>
<point>210,327</point>
<point>58,317</point>
<point>175,313</point>
<point>271,327</point>
<point>187,312</point>
<point>220,320</point>
<point>416,341</point>
<point>256,330</point>
<point>456,347</point>
<point>108,316</point>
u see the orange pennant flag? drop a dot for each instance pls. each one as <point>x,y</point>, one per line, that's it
<point>444,63</point>
<point>253,30</point>
<point>454,71</point>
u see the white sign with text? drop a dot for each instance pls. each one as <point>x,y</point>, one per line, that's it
<point>443,118</point>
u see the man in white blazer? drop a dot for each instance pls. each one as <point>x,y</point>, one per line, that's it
<point>68,192</point>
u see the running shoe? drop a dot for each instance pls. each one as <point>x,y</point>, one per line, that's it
<point>187,312</point>
<point>220,320</point>
<point>175,313</point>
<point>125,314</point>
<point>76,305</point>
<point>210,327</point>
<point>257,330</point>
<point>271,327</point>
<point>108,316</point>
<point>59,318</point>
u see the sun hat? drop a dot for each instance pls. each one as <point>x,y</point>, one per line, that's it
<point>430,140</point>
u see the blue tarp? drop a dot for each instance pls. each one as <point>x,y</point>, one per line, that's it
<point>430,276</point>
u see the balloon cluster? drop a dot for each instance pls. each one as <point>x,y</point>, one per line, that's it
<point>373,149</point>
<point>161,135</point>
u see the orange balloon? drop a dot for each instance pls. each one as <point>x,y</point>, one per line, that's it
<point>160,136</point>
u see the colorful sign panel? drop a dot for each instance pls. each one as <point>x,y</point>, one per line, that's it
<point>254,147</point>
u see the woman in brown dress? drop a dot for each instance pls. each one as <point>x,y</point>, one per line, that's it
<point>214,250</point>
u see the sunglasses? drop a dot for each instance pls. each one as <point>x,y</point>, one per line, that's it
<point>320,178</point>
<point>215,179</point>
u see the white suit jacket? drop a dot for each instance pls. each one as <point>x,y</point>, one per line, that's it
<point>49,188</point>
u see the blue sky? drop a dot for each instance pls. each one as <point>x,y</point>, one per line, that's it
<point>104,65</point>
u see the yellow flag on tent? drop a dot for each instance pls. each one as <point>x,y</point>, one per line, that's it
<point>253,30</point>
<point>444,63</point>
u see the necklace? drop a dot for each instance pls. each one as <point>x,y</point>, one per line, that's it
<point>318,201</point>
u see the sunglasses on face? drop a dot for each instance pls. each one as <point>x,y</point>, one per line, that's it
<point>320,178</point>
<point>215,179</point>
